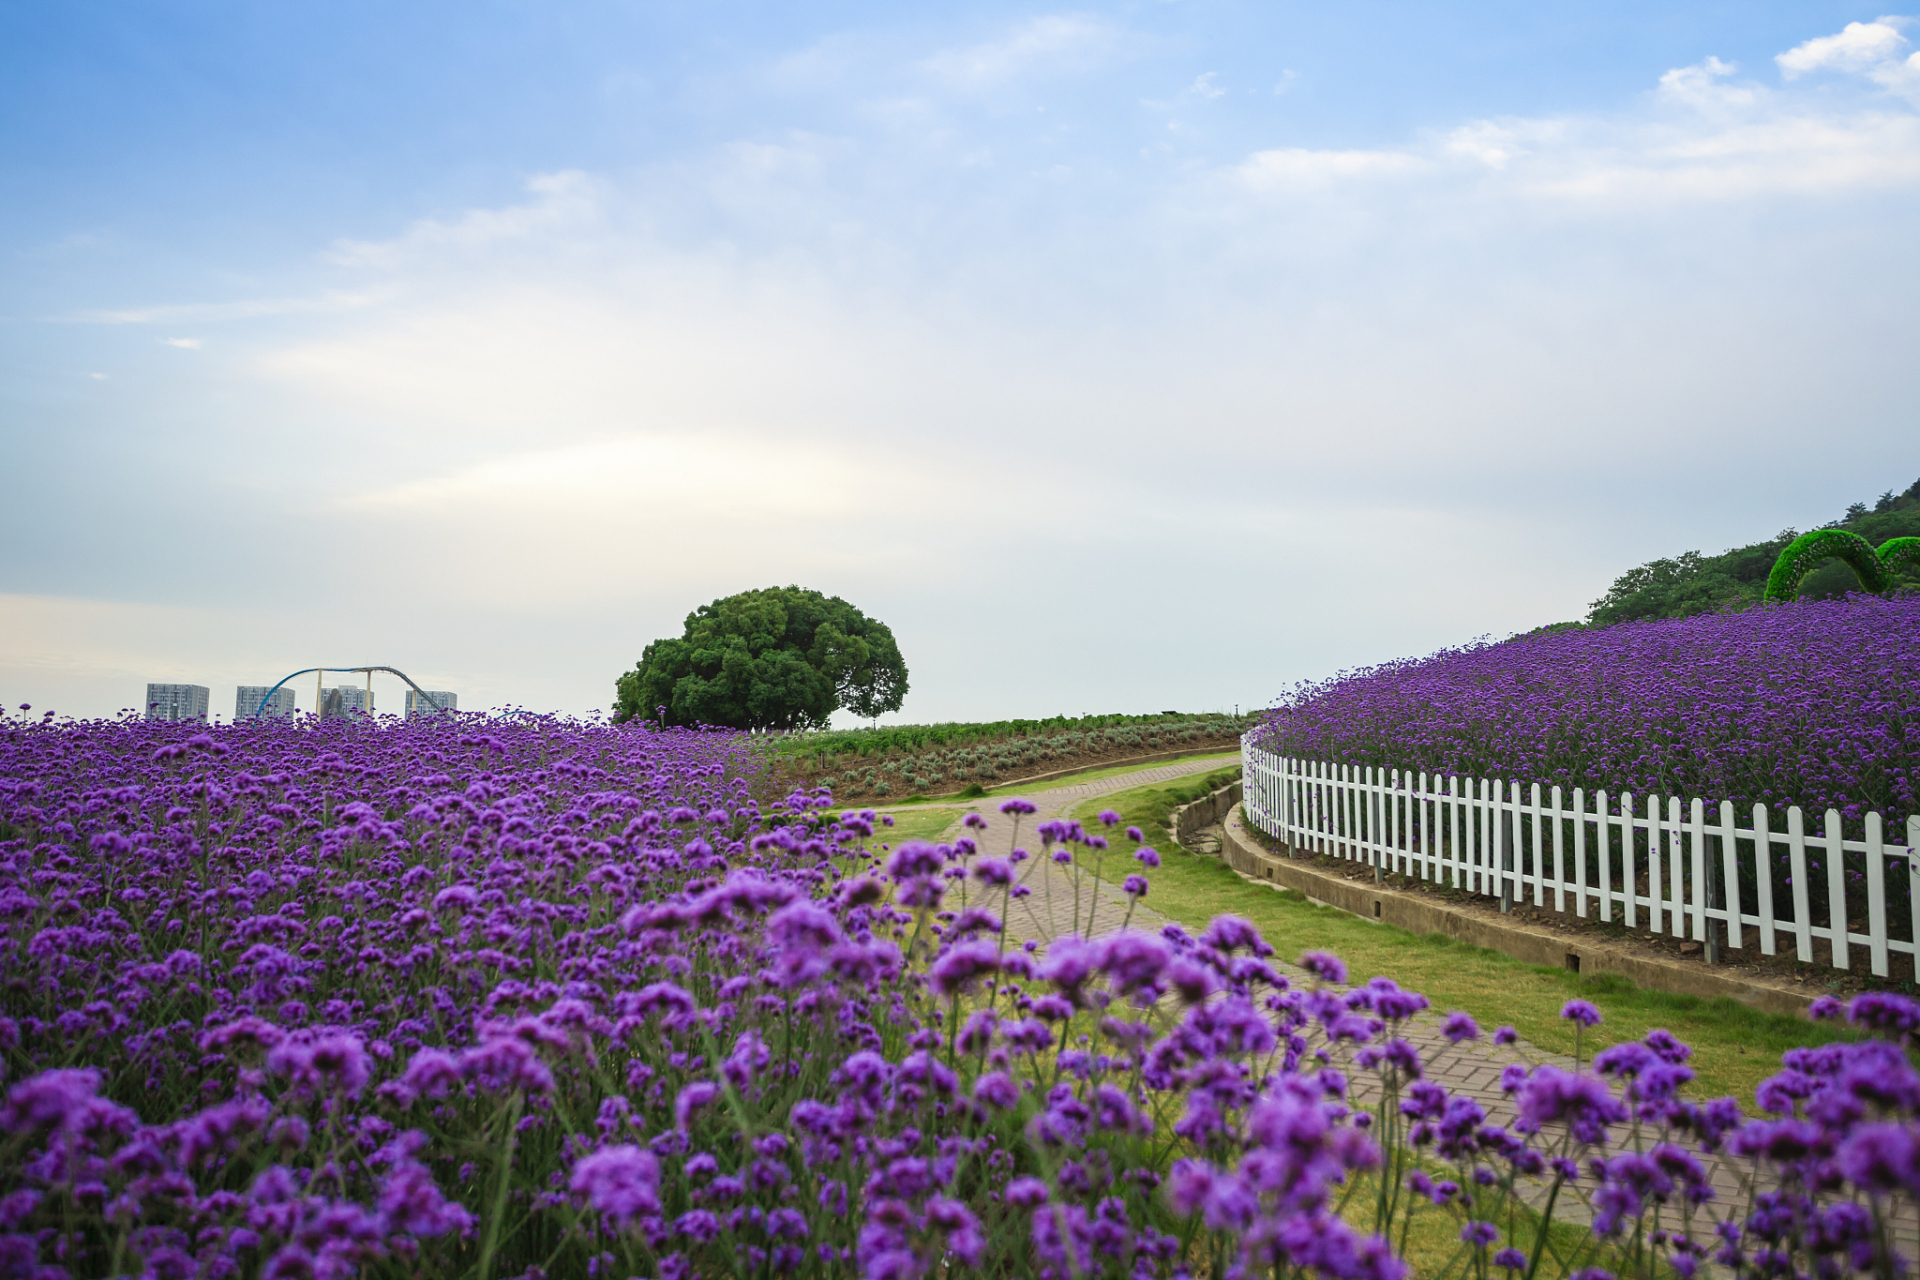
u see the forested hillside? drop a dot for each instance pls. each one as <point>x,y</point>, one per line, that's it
<point>1692,583</point>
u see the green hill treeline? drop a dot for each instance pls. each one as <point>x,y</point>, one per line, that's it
<point>1693,583</point>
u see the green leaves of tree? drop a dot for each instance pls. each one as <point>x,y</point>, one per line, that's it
<point>776,658</point>
<point>1692,583</point>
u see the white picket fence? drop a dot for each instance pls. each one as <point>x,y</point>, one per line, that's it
<point>1659,864</point>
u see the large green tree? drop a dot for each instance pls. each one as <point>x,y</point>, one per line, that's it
<point>777,658</point>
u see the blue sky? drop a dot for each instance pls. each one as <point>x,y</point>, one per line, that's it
<point>1122,357</point>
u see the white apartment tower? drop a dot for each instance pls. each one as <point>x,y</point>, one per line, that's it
<point>435,702</point>
<point>246,702</point>
<point>339,703</point>
<point>177,702</point>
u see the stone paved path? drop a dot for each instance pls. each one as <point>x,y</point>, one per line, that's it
<point>1061,902</point>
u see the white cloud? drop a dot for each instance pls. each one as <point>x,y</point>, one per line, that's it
<point>1703,135</point>
<point>564,199</point>
<point>98,377</point>
<point>1054,43</point>
<point>1872,49</point>
<point>1204,86</point>
<point>739,477</point>
<point>1860,46</point>
<point>247,309</point>
<point>185,344</point>
<point>1496,143</point>
<point>1288,167</point>
<point>1701,87</point>
<point>1790,155</point>
<point>563,523</point>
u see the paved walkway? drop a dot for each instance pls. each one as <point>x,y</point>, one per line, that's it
<point>1066,900</point>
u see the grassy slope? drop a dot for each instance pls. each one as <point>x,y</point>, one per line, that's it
<point>1735,1047</point>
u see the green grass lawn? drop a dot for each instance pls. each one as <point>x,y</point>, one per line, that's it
<point>1735,1047</point>
<point>1432,1238</point>
<point>915,824</point>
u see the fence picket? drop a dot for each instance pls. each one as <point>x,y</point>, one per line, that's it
<point>1603,827</point>
<point>1876,899</point>
<point>1560,854</point>
<point>1459,827</point>
<point>1763,880</point>
<point>1424,835</point>
<point>1913,888</point>
<point>1654,898</point>
<point>1536,798</point>
<point>1797,869</point>
<point>1382,832</point>
<point>1730,873</point>
<point>1836,887</point>
<point>1477,813</point>
<point>1629,873</point>
<point>1677,895</point>
<point>1580,853</point>
<point>1502,840</point>
<point>1349,811</point>
<point>1697,836</point>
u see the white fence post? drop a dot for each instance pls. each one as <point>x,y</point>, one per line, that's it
<point>1604,829</point>
<point>1729,900</point>
<point>1579,853</point>
<point>1802,896</point>
<point>1763,877</point>
<point>1913,888</point>
<point>1876,900</point>
<point>1836,887</point>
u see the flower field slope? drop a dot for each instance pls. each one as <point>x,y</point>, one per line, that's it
<point>463,999</point>
<point>1814,704</point>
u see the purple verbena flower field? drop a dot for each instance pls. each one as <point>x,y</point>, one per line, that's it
<point>1815,704</point>
<point>551,998</point>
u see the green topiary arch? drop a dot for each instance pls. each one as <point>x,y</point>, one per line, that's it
<point>1806,552</point>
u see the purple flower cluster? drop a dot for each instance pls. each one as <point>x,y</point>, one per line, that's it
<point>1815,704</point>
<point>570,999</point>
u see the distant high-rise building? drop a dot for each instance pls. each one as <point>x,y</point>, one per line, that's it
<point>435,702</point>
<point>338,703</point>
<point>246,702</point>
<point>177,701</point>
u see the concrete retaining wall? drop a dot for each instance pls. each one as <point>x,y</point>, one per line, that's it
<point>1209,810</point>
<point>1418,913</point>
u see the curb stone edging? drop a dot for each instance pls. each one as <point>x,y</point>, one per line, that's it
<point>1417,914</point>
<point>1209,810</point>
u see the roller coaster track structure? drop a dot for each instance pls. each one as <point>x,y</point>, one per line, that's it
<point>431,701</point>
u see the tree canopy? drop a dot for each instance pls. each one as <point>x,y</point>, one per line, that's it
<point>1692,583</point>
<point>776,658</point>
